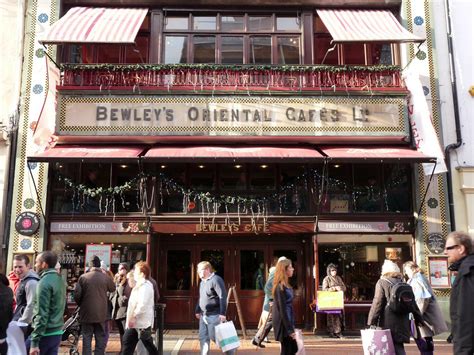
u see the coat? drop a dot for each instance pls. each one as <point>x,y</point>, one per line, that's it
<point>141,306</point>
<point>119,300</point>
<point>382,316</point>
<point>90,295</point>
<point>429,308</point>
<point>461,307</point>
<point>6,306</point>
<point>330,283</point>
<point>282,325</point>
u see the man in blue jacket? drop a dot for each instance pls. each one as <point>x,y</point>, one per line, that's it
<point>49,306</point>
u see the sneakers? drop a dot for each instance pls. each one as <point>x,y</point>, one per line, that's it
<point>254,342</point>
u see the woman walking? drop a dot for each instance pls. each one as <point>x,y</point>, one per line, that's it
<point>120,299</point>
<point>333,282</point>
<point>383,316</point>
<point>429,308</point>
<point>140,313</point>
<point>282,310</point>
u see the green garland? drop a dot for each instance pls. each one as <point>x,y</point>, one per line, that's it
<point>236,68</point>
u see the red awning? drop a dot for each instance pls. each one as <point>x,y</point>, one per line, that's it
<point>232,153</point>
<point>89,153</point>
<point>375,154</point>
<point>96,25</point>
<point>365,26</point>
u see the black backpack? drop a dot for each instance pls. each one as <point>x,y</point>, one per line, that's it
<point>402,298</point>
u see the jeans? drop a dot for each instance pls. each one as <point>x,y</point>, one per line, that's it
<point>264,329</point>
<point>399,348</point>
<point>131,337</point>
<point>121,328</point>
<point>207,333</point>
<point>96,329</point>
<point>48,345</point>
<point>288,346</point>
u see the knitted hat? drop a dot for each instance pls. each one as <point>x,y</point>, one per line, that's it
<point>389,266</point>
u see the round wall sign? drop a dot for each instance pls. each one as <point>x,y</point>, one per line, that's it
<point>435,243</point>
<point>27,223</point>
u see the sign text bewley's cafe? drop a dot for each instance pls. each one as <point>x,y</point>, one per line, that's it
<point>184,115</point>
<point>232,227</point>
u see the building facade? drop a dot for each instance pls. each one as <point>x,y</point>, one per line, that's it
<point>235,135</point>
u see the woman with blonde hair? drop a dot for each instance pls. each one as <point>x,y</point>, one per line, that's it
<point>429,308</point>
<point>282,310</point>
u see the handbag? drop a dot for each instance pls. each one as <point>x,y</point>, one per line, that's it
<point>226,336</point>
<point>299,342</point>
<point>330,301</point>
<point>377,341</point>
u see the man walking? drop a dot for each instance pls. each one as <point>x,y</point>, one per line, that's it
<point>48,312</point>
<point>212,305</point>
<point>91,296</point>
<point>26,291</point>
<point>459,250</point>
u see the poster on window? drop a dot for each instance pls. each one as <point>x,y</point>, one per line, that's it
<point>438,272</point>
<point>102,251</point>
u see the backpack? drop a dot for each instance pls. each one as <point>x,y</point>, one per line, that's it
<point>402,298</point>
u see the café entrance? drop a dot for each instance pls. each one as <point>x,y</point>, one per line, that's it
<point>243,261</point>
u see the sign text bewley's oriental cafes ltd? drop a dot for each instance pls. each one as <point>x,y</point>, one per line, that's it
<point>231,115</point>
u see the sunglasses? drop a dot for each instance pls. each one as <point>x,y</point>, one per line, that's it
<point>452,247</point>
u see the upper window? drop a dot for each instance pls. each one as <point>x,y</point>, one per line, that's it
<point>232,39</point>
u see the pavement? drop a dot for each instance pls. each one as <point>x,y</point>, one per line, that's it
<point>182,342</point>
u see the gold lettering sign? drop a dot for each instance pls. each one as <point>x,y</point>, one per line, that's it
<point>231,228</point>
<point>231,116</point>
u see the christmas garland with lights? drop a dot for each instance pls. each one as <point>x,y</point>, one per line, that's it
<point>236,68</point>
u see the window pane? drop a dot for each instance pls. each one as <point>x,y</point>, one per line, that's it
<point>216,258</point>
<point>354,53</point>
<point>63,198</point>
<point>262,177</point>
<point>381,53</point>
<point>79,53</point>
<point>293,197</point>
<point>260,50</point>
<point>260,23</point>
<point>128,201</point>
<point>108,53</point>
<point>232,177</point>
<point>176,23</point>
<point>175,49</point>
<point>288,24</point>
<point>397,184</point>
<point>137,53</point>
<point>252,270</point>
<point>367,188</point>
<point>94,176</point>
<point>204,49</point>
<point>338,196</point>
<point>232,50</point>
<point>202,177</point>
<point>322,43</point>
<point>178,270</point>
<point>207,23</point>
<point>171,200</point>
<point>289,50</point>
<point>232,23</point>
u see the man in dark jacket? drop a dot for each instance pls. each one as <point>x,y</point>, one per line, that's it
<point>6,310</point>
<point>459,249</point>
<point>91,296</point>
<point>50,301</point>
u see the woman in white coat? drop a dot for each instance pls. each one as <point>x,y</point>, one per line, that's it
<point>426,301</point>
<point>140,312</point>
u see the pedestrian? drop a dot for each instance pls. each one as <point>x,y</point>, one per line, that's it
<point>212,305</point>
<point>265,324</point>
<point>429,308</point>
<point>25,293</point>
<point>459,248</point>
<point>140,312</point>
<point>282,310</point>
<point>6,310</point>
<point>90,295</point>
<point>333,282</point>
<point>380,315</point>
<point>120,299</point>
<point>106,271</point>
<point>48,313</point>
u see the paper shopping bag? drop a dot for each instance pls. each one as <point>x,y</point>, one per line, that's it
<point>328,300</point>
<point>226,336</point>
<point>300,342</point>
<point>377,342</point>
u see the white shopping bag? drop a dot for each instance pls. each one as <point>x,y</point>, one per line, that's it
<point>16,338</point>
<point>377,342</point>
<point>226,336</point>
<point>300,342</point>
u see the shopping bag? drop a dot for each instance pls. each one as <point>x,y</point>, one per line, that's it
<point>300,342</point>
<point>226,336</point>
<point>16,338</point>
<point>377,342</point>
<point>328,300</point>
